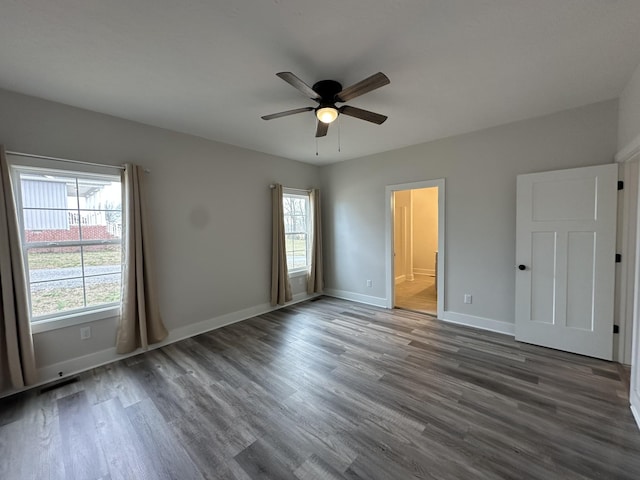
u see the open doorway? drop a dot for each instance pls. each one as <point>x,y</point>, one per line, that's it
<point>415,245</point>
<point>415,242</point>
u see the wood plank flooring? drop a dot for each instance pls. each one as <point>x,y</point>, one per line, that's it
<point>330,389</point>
<point>418,294</point>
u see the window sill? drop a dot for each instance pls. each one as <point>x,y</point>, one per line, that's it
<point>298,273</point>
<point>74,319</point>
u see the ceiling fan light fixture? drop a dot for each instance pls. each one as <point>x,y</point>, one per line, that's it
<point>326,93</point>
<point>327,114</point>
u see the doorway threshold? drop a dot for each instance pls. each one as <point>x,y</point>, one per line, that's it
<point>421,312</point>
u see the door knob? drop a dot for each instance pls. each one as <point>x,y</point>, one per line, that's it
<point>522,267</point>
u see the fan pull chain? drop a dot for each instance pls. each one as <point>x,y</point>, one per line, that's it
<point>315,125</point>
<point>339,134</point>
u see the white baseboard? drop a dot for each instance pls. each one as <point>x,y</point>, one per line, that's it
<point>479,322</point>
<point>399,279</point>
<point>356,297</point>
<point>80,364</point>
<point>634,401</point>
<point>431,272</point>
<point>636,415</point>
<point>77,365</point>
<point>451,317</point>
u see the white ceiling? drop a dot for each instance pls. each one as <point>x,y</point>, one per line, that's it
<point>207,67</point>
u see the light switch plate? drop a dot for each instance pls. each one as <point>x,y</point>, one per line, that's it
<point>85,333</point>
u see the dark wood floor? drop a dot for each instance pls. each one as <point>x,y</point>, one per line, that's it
<point>327,390</point>
<point>419,295</point>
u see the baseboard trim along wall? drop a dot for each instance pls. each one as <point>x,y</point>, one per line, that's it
<point>480,322</point>
<point>425,271</point>
<point>636,415</point>
<point>78,365</point>
<point>451,317</point>
<point>356,297</point>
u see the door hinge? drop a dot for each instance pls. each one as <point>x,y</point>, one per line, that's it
<point>616,329</point>
<point>620,185</point>
<point>618,258</point>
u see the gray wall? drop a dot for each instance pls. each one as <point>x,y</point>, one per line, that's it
<point>210,207</point>
<point>629,122</point>
<point>210,210</point>
<point>480,170</point>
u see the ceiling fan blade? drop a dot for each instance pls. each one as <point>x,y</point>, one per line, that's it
<point>363,114</point>
<point>286,113</point>
<point>291,79</point>
<point>368,84</point>
<point>321,129</point>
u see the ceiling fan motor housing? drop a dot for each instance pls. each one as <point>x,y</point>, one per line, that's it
<point>327,89</point>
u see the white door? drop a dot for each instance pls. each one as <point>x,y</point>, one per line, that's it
<point>565,254</point>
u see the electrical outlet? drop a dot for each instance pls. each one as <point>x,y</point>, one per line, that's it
<point>369,283</point>
<point>85,333</point>
<point>467,298</point>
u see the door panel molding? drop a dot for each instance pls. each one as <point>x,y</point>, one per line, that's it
<point>566,237</point>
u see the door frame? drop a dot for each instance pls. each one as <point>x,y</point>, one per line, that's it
<point>389,240</point>
<point>629,312</point>
<point>626,236</point>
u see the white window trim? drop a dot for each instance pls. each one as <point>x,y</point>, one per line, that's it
<point>72,317</point>
<point>301,271</point>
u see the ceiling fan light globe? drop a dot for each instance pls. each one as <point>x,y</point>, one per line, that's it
<point>327,114</point>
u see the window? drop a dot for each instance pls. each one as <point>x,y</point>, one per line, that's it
<point>71,229</point>
<point>297,229</point>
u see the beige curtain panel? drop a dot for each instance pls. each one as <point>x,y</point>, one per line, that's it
<point>280,285</point>
<point>140,322</point>
<point>315,280</point>
<point>17,359</point>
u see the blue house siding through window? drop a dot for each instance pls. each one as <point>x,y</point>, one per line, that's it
<point>50,200</point>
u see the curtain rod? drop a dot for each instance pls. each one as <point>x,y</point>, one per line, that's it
<point>272,186</point>
<point>30,155</point>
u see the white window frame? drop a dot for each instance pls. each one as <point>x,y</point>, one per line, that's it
<point>78,316</point>
<point>293,192</point>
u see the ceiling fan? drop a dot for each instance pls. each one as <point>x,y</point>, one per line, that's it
<point>329,92</point>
